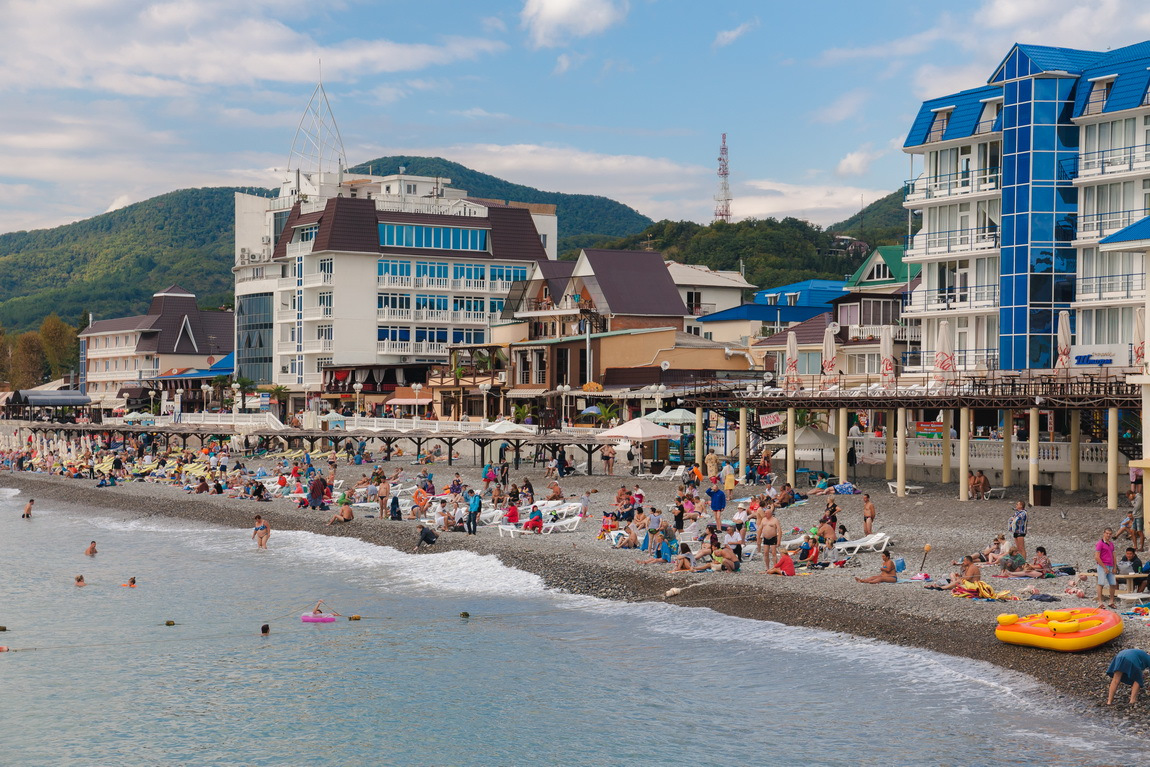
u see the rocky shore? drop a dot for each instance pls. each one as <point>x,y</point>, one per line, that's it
<point>904,614</point>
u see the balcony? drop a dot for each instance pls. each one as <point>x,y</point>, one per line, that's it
<point>1118,160</point>
<point>469,318</point>
<point>1096,225</point>
<point>698,310</point>
<point>954,184</point>
<point>285,347</point>
<point>471,285</point>
<point>546,307</point>
<point>897,332</point>
<point>316,312</point>
<point>393,281</point>
<point>317,279</point>
<point>391,314</point>
<point>430,347</point>
<point>393,347</point>
<point>922,361</point>
<point>976,297</point>
<point>432,315</point>
<point>499,286</point>
<point>927,245</point>
<point>299,248</point>
<point>434,283</point>
<point>1111,287</point>
<point>285,314</point>
<point>315,345</point>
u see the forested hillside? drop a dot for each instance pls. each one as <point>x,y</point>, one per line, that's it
<point>883,222</point>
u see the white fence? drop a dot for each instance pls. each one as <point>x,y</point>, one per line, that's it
<point>987,454</point>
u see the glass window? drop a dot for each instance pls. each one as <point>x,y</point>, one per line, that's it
<point>440,237</point>
<point>394,268</point>
<point>307,233</point>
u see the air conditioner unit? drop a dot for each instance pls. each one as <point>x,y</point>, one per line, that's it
<point>501,376</point>
<point>404,359</point>
<point>283,368</point>
<point>266,240</point>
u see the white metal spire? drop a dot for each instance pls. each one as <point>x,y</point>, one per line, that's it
<point>317,147</point>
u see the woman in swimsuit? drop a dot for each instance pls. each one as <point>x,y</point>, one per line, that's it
<point>261,532</point>
<point>886,572</point>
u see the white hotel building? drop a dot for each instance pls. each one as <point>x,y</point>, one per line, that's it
<point>349,278</point>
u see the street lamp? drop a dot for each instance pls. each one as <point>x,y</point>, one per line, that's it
<point>563,390</point>
<point>207,390</point>
<point>358,388</point>
<point>152,400</point>
<point>660,390</point>
<point>484,388</point>
<point>417,388</point>
<point>235,398</point>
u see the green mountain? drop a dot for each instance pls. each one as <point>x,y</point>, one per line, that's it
<point>580,215</point>
<point>883,222</point>
<point>771,251</point>
<point>111,264</point>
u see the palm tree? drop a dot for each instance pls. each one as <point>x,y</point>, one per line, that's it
<point>247,386</point>
<point>813,418</point>
<point>520,413</point>
<point>280,394</point>
<point>608,412</point>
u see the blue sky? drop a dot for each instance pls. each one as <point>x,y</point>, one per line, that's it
<point>107,102</point>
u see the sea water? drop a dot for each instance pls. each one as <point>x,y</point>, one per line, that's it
<point>531,677</point>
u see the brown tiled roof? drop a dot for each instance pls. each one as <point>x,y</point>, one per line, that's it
<point>163,329</point>
<point>807,332</point>
<point>635,282</point>
<point>348,224</point>
<point>513,235</point>
<point>556,274</point>
<point>119,325</point>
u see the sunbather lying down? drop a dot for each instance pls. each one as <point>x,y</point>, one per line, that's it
<point>970,572</point>
<point>885,574</point>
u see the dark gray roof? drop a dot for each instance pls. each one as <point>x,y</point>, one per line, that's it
<point>41,398</point>
<point>556,274</point>
<point>175,324</point>
<point>635,282</point>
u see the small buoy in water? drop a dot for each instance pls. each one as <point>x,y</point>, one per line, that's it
<point>673,592</point>
<point>169,623</point>
<point>353,617</point>
<point>465,615</point>
<point>3,628</point>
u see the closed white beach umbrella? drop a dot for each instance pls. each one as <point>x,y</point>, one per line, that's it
<point>944,367</point>
<point>1063,360</point>
<point>830,358</point>
<point>1140,337</point>
<point>886,357</point>
<point>791,364</point>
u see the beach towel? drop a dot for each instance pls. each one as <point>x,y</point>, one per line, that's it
<point>981,590</point>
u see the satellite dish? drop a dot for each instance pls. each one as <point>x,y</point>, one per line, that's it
<point>835,327</point>
<point>665,365</point>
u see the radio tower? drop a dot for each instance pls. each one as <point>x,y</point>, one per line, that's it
<point>723,198</point>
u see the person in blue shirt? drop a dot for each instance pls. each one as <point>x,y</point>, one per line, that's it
<point>718,501</point>
<point>474,506</point>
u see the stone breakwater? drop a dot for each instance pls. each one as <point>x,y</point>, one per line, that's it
<point>577,563</point>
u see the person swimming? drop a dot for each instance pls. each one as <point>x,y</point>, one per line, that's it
<point>80,581</point>
<point>317,611</point>
<point>91,550</point>
<point>131,584</point>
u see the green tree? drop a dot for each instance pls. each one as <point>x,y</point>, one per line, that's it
<point>280,394</point>
<point>59,343</point>
<point>28,364</point>
<point>608,411</point>
<point>246,386</point>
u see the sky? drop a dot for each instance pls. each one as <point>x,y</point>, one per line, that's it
<point>108,102</point>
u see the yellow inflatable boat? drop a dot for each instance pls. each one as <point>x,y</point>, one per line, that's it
<point>1063,630</point>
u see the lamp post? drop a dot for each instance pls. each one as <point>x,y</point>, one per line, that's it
<point>235,398</point>
<point>563,390</point>
<point>660,390</point>
<point>358,387</point>
<point>484,388</point>
<point>207,390</point>
<point>152,401</point>
<point>417,388</point>
<point>179,401</point>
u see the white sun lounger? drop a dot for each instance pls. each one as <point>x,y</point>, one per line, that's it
<point>567,525</point>
<point>871,542</point>
<point>915,489</point>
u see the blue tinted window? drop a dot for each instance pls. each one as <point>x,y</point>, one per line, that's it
<point>1024,88</point>
<point>1042,230</point>
<point>1064,288</point>
<point>1045,88</point>
<point>1040,347</point>
<point>1065,260</point>
<point>1004,323</point>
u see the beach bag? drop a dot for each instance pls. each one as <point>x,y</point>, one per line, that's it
<point>899,564</point>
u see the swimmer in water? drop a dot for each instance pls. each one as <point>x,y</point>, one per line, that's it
<point>265,630</point>
<point>261,532</point>
<point>80,581</point>
<point>318,611</point>
<point>131,584</point>
<point>28,509</point>
<point>91,550</point>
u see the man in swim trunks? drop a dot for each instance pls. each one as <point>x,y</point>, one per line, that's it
<point>343,515</point>
<point>868,514</point>
<point>970,572</point>
<point>769,532</point>
<point>28,509</point>
<point>91,550</point>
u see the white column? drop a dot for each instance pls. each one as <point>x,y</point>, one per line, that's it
<point>842,457</point>
<point>700,437</point>
<point>1032,452</point>
<point>1112,459</point>
<point>742,443</point>
<point>947,420</point>
<point>1075,450</point>
<point>1007,447</point>
<point>963,453</point>
<point>900,463</point>
<point>791,462</point>
<point>889,420</point>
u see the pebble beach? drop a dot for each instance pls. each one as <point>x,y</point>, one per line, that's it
<point>904,614</point>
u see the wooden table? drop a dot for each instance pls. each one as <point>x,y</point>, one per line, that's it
<point>1128,579</point>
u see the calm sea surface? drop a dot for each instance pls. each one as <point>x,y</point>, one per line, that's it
<point>532,678</point>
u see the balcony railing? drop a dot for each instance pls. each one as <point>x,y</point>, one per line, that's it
<point>951,184</point>
<point>433,315</point>
<point>564,304</point>
<point>430,347</point>
<point>479,285</point>
<point>393,314</point>
<point>956,241</point>
<point>393,281</point>
<point>1096,102</point>
<point>469,318</point>
<point>1101,224</point>
<point>316,279</point>
<point>393,347</point>
<point>498,286</point>
<point>299,248</point>
<point>1111,287</point>
<point>437,283</point>
<point>937,300</point>
<point>318,345</point>
<point>285,347</point>
<point>316,312</point>
<point>285,313</point>
<point>964,359</point>
<point>698,310</point>
<point>1117,160</point>
<point>897,332</point>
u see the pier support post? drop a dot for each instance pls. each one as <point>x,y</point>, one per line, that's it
<point>900,462</point>
<point>963,453</point>
<point>1112,458</point>
<point>1007,448</point>
<point>947,420</point>
<point>889,423</point>
<point>700,437</point>
<point>742,443</point>
<point>791,460</point>
<point>1032,452</point>
<point>1075,451</point>
<point>842,434</point>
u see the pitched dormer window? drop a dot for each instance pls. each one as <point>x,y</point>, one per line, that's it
<point>880,271</point>
<point>938,126</point>
<point>1099,92</point>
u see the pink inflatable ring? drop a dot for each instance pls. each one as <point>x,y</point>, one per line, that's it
<point>317,618</point>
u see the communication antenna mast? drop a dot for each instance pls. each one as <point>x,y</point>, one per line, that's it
<point>723,198</point>
<point>317,147</point>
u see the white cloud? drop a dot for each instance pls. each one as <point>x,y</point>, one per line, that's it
<point>493,24</point>
<point>478,113</point>
<point>567,61</point>
<point>820,204</point>
<point>858,162</point>
<point>551,23</point>
<point>728,36</point>
<point>845,107</point>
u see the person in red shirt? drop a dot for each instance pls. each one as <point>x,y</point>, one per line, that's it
<point>784,566</point>
<point>511,516</point>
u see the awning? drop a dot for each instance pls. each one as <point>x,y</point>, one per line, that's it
<point>62,398</point>
<point>525,393</point>
<point>409,401</point>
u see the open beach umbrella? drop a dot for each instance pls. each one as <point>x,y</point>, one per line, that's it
<point>593,410</point>
<point>1140,337</point>
<point>830,359</point>
<point>656,416</point>
<point>944,369</point>
<point>807,438</point>
<point>1063,361</point>
<point>637,430</point>
<point>508,427</point>
<point>679,416</point>
<point>791,381</point>
<point>886,357</point>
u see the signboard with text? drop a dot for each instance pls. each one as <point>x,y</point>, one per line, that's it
<point>928,429</point>
<point>1087,355</point>
<point>770,420</point>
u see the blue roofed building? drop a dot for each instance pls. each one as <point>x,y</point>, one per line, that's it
<point>1018,181</point>
<point>773,310</point>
